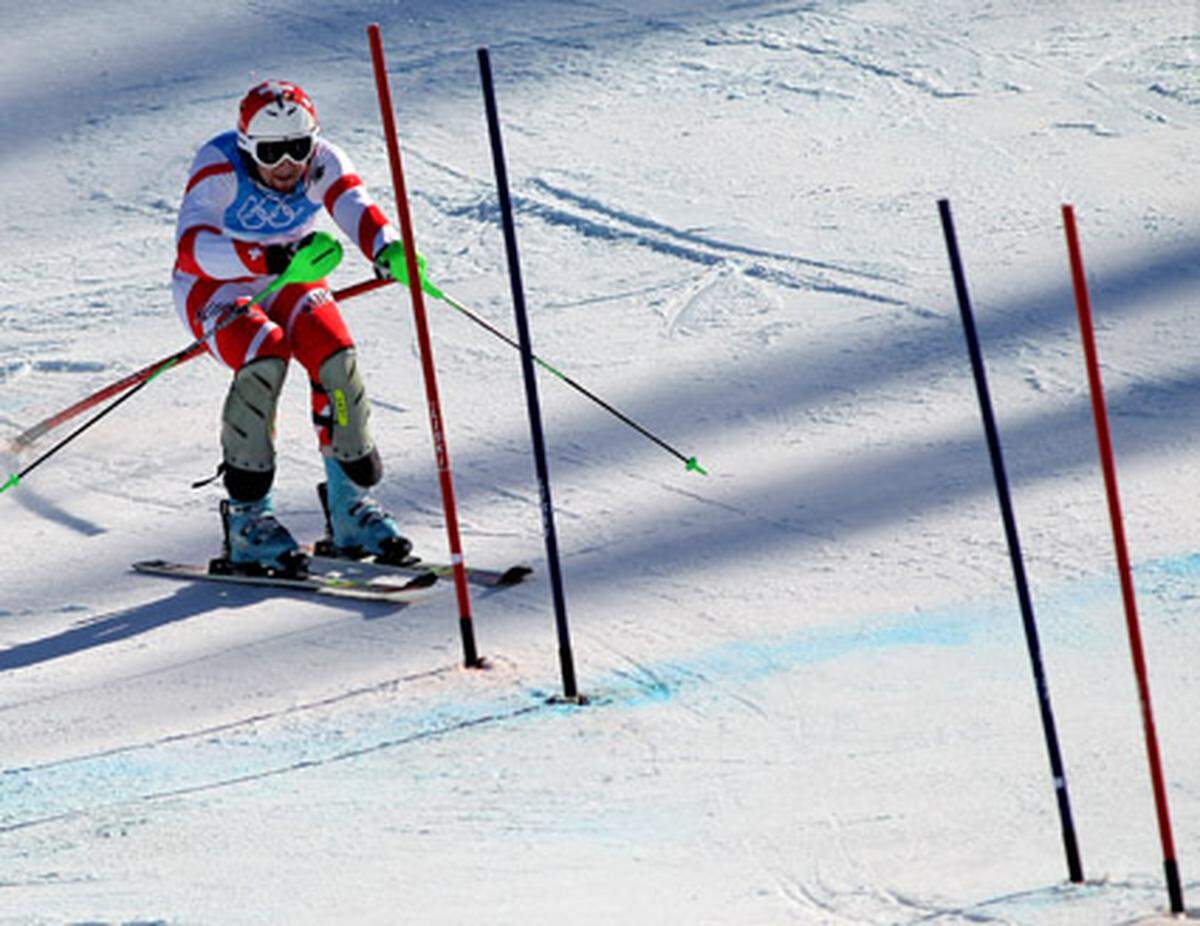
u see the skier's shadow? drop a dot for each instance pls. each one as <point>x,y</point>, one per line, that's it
<point>188,602</point>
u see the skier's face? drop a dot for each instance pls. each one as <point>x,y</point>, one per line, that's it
<point>283,175</point>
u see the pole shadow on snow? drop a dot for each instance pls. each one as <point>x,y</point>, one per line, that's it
<point>881,486</point>
<point>187,602</point>
<point>422,35</point>
<point>43,507</point>
<point>868,487</point>
<point>803,506</point>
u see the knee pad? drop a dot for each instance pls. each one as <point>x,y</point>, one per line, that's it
<point>248,419</point>
<point>243,485</point>
<point>365,471</point>
<point>349,410</point>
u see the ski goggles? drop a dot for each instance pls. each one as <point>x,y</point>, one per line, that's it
<point>269,153</point>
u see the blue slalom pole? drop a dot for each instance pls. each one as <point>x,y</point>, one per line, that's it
<point>567,661</point>
<point>1070,844</point>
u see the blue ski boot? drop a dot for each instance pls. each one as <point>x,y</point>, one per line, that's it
<point>256,543</point>
<point>356,526</point>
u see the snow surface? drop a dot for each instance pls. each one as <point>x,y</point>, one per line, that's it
<point>811,699</point>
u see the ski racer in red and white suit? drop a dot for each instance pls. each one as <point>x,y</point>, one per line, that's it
<point>252,196</point>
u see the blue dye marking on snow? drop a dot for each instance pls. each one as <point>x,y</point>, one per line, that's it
<point>1090,612</point>
<point>257,752</point>
<point>263,751</point>
<point>1081,613</point>
<point>1177,577</point>
<point>744,661</point>
<point>1181,566</point>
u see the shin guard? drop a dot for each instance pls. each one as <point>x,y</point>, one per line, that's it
<point>350,438</point>
<point>248,423</point>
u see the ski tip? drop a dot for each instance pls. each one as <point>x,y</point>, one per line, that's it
<point>13,481</point>
<point>514,574</point>
<point>692,465</point>
<point>424,580</point>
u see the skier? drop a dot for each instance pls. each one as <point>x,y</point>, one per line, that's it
<point>252,199</point>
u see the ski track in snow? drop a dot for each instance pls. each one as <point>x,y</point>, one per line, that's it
<point>676,243</point>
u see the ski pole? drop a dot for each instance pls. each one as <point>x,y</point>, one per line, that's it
<point>14,480</point>
<point>690,463</point>
<point>193,350</point>
<point>312,262</point>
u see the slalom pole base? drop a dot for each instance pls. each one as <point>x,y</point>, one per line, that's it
<point>1174,887</point>
<point>1071,846</point>
<point>471,657</point>
<point>579,700</point>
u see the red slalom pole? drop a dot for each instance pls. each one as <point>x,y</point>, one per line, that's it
<point>32,433</point>
<point>1104,438</point>
<point>375,38</point>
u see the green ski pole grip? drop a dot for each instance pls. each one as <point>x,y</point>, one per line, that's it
<point>317,259</point>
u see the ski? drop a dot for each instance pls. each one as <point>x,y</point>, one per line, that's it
<point>415,566</point>
<point>344,582</point>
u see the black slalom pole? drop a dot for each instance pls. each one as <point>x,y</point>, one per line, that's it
<point>567,661</point>
<point>1074,866</point>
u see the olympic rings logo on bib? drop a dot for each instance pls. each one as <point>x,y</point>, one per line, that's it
<point>260,213</point>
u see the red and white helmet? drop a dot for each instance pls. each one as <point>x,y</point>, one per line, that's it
<point>275,110</point>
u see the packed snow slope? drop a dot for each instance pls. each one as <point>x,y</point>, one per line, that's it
<point>810,697</point>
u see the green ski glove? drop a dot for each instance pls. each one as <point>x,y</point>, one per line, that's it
<point>392,263</point>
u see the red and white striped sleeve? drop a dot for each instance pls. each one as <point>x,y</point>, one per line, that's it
<point>338,185</point>
<point>201,247</point>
